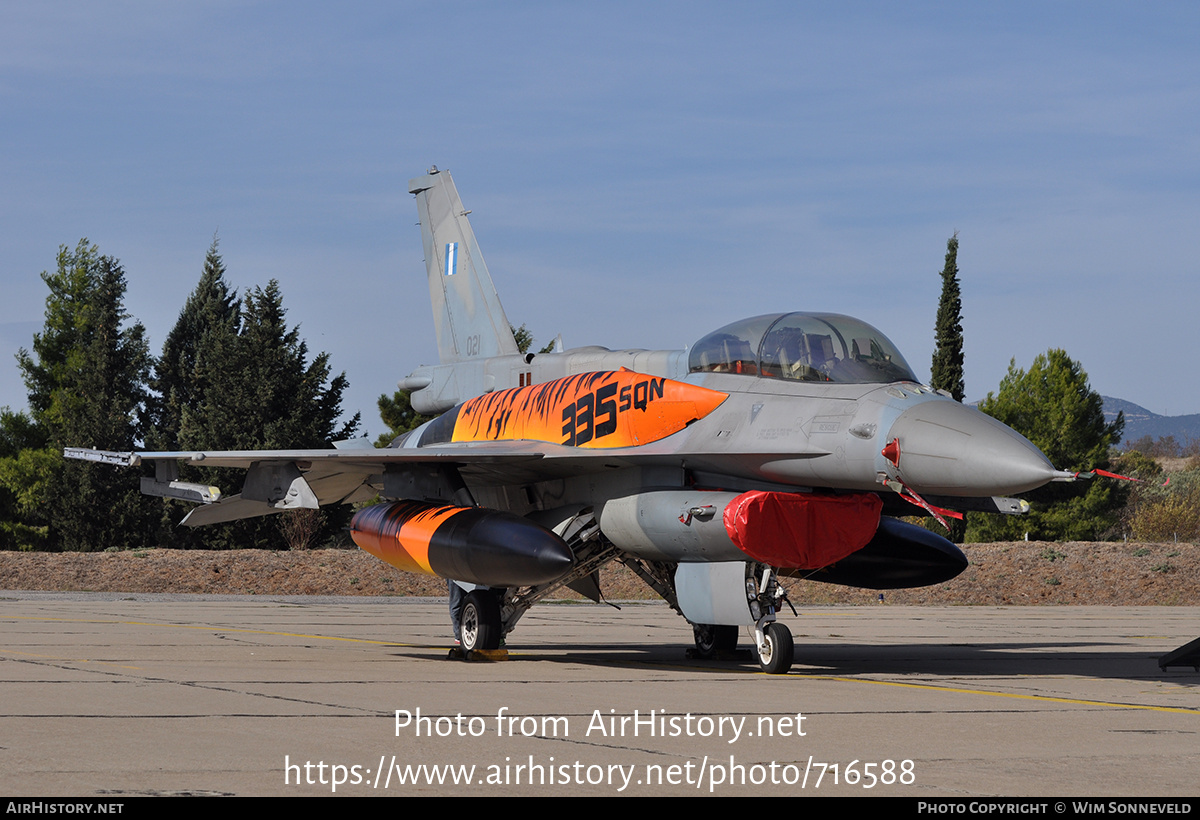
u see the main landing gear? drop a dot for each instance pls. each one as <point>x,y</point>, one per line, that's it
<point>715,641</point>
<point>481,621</point>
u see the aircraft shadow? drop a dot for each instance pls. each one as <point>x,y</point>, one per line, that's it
<point>1000,660</point>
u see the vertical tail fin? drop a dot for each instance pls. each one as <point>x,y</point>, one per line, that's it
<point>467,315</point>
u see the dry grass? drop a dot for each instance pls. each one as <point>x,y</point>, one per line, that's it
<point>1012,573</point>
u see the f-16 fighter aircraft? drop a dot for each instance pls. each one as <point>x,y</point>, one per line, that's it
<point>784,445</point>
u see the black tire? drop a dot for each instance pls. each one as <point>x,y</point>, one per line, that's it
<point>714,639</point>
<point>480,621</point>
<point>777,658</point>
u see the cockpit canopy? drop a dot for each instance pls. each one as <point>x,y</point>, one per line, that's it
<point>812,347</point>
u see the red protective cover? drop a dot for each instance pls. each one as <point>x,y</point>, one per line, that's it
<point>801,531</point>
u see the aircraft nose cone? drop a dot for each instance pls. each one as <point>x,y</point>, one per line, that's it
<point>946,448</point>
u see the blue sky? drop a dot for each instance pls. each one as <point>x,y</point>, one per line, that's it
<point>639,173</point>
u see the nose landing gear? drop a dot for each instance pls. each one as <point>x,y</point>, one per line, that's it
<point>773,640</point>
<point>775,648</point>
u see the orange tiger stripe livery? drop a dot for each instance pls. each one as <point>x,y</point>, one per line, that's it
<point>593,410</point>
<point>399,534</point>
<point>471,544</point>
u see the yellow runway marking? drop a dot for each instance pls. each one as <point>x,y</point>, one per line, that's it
<point>925,686</point>
<point>1013,695</point>
<point>210,628</point>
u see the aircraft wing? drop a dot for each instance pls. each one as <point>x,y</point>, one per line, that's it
<point>278,480</point>
<point>515,436</point>
<point>364,457</point>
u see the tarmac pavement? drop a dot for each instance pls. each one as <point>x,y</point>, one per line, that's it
<point>124,695</point>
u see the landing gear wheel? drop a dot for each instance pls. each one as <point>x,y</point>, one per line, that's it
<point>714,640</point>
<point>480,621</point>
<point>775,656</point>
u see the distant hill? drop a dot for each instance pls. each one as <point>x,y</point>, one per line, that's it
<point>1141,422</point>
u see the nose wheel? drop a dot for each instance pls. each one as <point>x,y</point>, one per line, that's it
<point>775,649</point>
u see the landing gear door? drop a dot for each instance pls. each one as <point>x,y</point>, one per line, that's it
<point>714,593</point>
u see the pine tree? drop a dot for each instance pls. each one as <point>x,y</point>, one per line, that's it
<point>254,388</point>
<point>398,414</point>
<point>26,467</point>
<point>260,391</point>
<point>524,339</point>
<point>1053,405</point>
<point>947,370</point>
<point>212,310</point>
<point>86,379</point>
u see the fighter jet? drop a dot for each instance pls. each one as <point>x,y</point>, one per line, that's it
<point>783,445</point>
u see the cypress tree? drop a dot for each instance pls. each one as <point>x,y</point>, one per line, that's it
<point>947,370</point>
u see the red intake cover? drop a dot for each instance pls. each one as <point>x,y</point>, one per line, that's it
<point>801,531</point>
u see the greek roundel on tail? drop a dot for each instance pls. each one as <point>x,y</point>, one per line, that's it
<point>781,445</point>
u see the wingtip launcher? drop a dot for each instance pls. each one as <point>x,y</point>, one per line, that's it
<point>164,484</point>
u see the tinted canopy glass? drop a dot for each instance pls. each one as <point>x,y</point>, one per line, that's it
<point>825,347</point>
